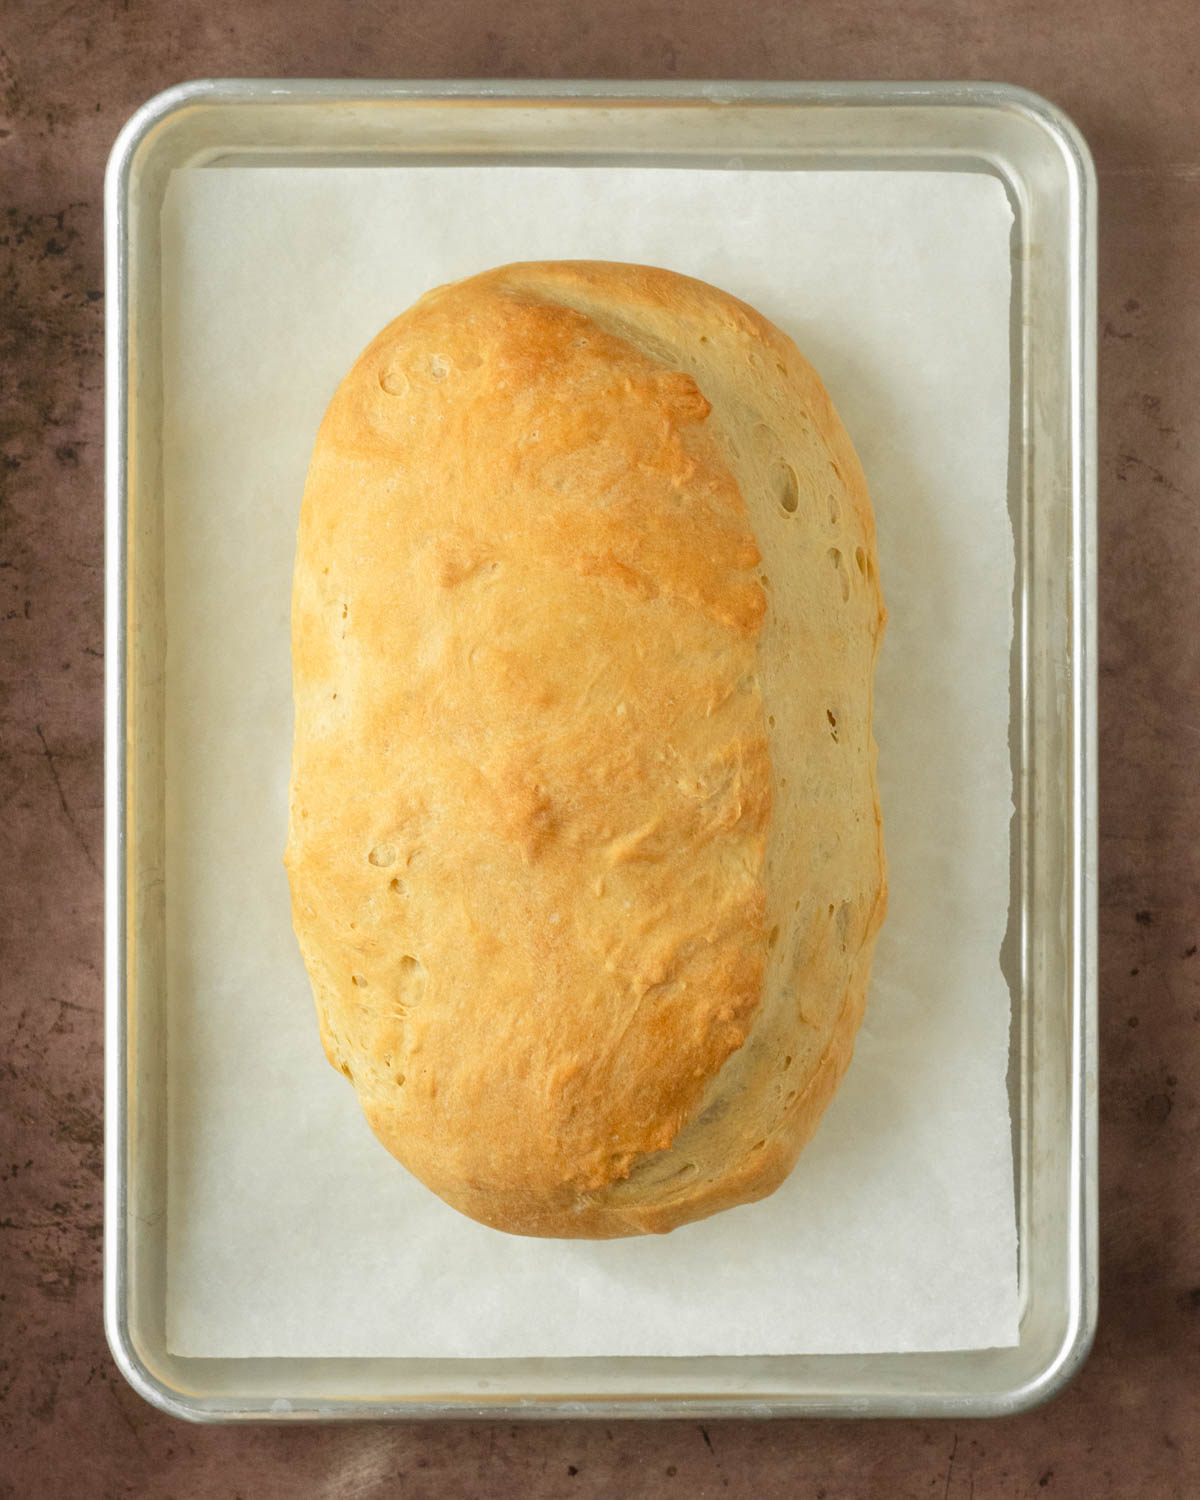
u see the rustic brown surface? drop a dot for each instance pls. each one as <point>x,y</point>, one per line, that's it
<point>69,76</point>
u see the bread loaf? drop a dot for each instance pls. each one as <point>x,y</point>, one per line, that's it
<point>584,839</point>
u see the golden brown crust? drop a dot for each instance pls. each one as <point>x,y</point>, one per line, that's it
<point>561,618</point>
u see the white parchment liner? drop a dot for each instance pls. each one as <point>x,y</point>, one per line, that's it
<point>291,1231</point>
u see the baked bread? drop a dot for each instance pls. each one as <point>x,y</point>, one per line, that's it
<point>584,839</point>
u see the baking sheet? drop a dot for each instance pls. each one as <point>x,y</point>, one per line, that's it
<point>290,1231</point>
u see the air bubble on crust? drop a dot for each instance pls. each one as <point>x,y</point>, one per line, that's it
<point>688,1169</point>
<point>412,978</point>
<point>835,557</point>
<point>787,487</point>
<point>382,855</point>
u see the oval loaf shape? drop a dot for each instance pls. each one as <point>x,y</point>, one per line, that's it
<point>584,839</point>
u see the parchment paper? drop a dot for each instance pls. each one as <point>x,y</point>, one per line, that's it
<point>291,1231</point>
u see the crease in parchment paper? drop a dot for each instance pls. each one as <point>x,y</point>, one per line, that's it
<point>290,1230</point>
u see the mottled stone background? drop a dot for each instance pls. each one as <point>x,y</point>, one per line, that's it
<point>70,74</point>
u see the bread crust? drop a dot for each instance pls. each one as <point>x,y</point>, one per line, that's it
<point>583,831</point>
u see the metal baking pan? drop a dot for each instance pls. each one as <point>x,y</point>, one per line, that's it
<point>1047,172</point>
